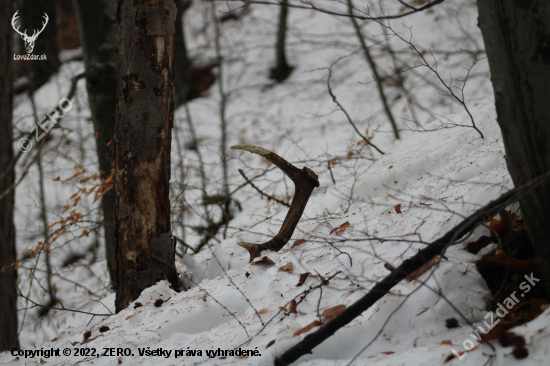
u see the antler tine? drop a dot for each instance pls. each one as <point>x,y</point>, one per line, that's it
<point>13,19</point>
<point>43,24</point>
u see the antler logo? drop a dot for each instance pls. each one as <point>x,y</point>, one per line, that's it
<point>29,40</point>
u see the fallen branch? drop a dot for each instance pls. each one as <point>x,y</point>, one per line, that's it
<point>383,287</point>
<point>305,180</point>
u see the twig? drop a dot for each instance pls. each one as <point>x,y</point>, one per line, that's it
<point>260,192</point>
<point>347,115</point>
<point>374,70</point>
<point>309,6</point>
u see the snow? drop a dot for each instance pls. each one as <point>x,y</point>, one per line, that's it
<point>439,175</point>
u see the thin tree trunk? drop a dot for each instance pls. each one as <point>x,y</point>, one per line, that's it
<point>517,40</point>
<point>98,30</point>
<point>282,70</point>
<point>8,274</point>
<point>184,83</point>
<point>144,252</point>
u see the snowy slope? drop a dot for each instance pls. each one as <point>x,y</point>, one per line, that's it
<point>438,176</point>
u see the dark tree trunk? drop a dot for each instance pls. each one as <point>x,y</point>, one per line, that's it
<point>8,274</point>
<point>32,18</point>
<point>144,252</point>
<point>98,30</point>
<point>517,40</point>
<point>184,85</point>
<point>282,70</point>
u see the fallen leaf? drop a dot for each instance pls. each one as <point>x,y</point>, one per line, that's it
<point>128,317</point>
<point>287,267</point>
<point>42,361</point>
<point>298,242</point>
<point>283,309</point>
<point>446,341</point>
<point>307,328</point>
<point>270,344</point>
<point>53,340</point>
<point>340,229</point>
<point>303,277</point>
<point>69,265</point>
<point>88,334</point>
<point>103,329</point>
<point>496,226</point>
<point>264,260</point>
<point>415,274</point>
<point>293,307</point>
<point>262,311</point>
<point>388,352</point>
<point>334,311</point>
<point>57,179</point>
<point>398,208</point>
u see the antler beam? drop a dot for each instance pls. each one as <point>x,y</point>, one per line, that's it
<point>305,180</point>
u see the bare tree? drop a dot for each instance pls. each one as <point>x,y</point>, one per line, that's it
<point>8,273</point>
<point>144,252</point>
<point>517,40</point>
<point>281,70</point>
<point>98,26</point>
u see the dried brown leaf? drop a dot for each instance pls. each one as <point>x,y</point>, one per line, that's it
<point>287,267</point>
<point>264,260</point>
<point>307,328</point>
<point>303,277</point>
<point>293,308</point>
<point>334,311</point>
<point>298,242</point>
<point>398,208</point>
<point>340,229</point>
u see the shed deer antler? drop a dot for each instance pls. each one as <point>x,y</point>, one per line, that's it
<point>305,180</point>
<point>29,40</point>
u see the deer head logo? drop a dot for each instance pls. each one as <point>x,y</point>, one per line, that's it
<point>29,40</point>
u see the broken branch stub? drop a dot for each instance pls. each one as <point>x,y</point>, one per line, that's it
<point>305,180</point>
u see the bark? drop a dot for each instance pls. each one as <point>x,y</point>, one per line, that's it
<point>32,17</point>
<point>144,252</point>
<point>8,274</point>
<point>98,29</point>
<point>517,41</point>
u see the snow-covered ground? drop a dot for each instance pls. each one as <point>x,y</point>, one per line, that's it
<point>438,172</point>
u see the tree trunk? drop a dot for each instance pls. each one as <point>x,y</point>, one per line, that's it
<point>98,30</point>
<point>8,274</point>
<point>184,85</point>
<point>144,252</point>
<point>282,70</point>
<point>517,40</point>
